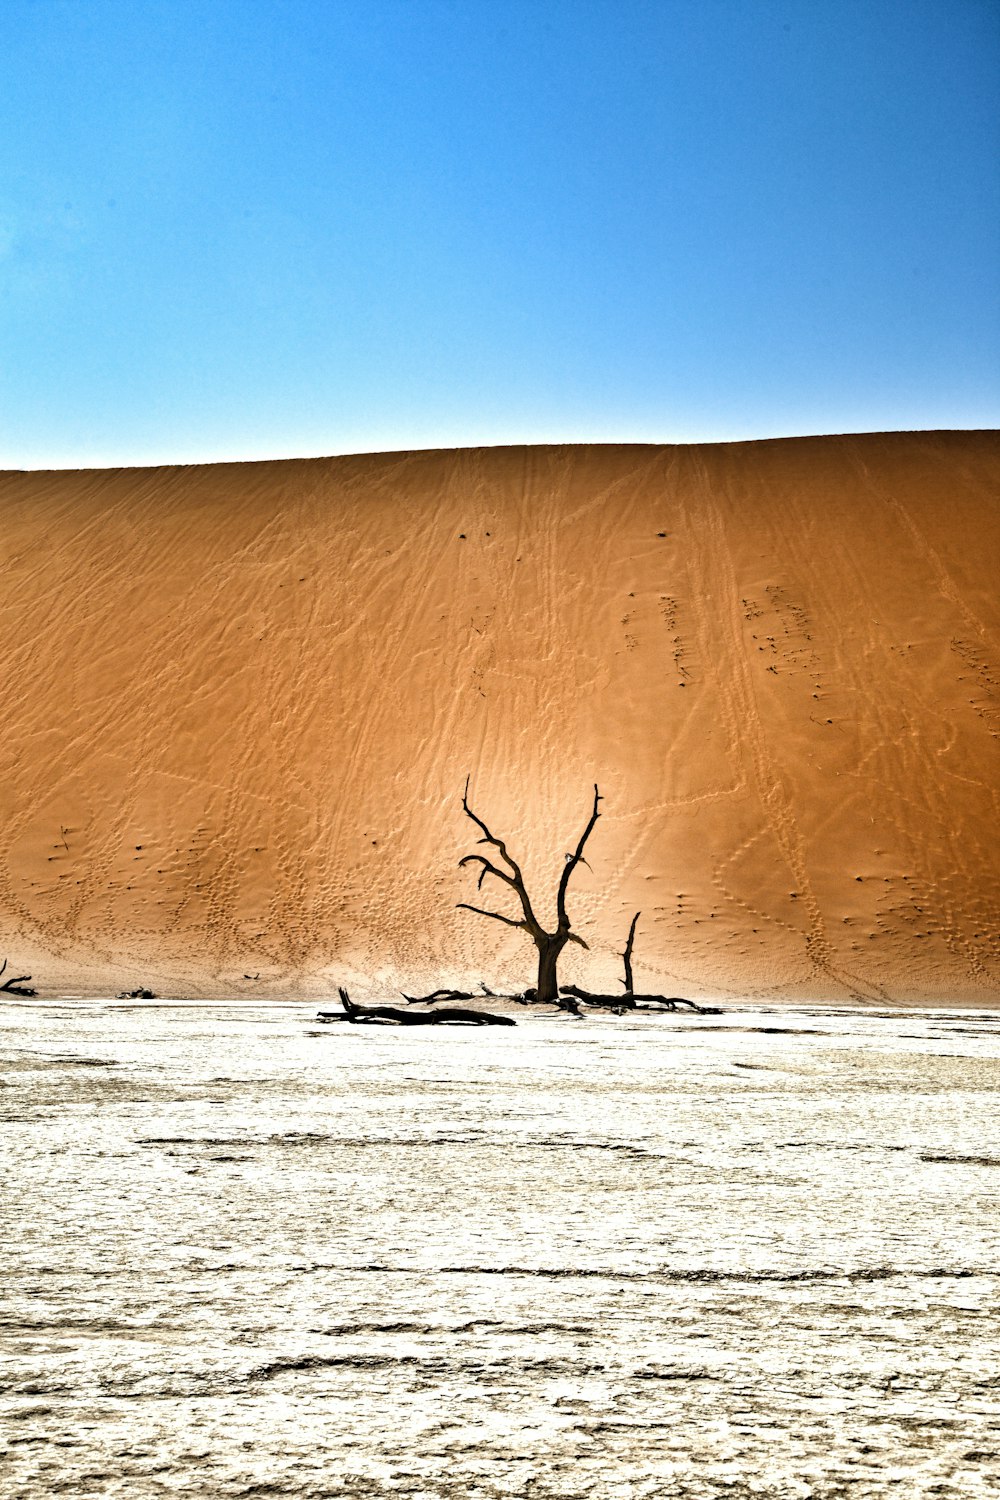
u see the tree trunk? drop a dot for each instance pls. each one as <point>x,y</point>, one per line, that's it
<point>627,955</point>
<point>549,949</point>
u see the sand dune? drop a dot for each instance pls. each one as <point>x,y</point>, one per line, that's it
<point>241,701</point>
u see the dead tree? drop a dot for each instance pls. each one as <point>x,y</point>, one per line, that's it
<point>549,944</point>
<point>381,1015</point>
<point>627,955</point>
<point>16,984</point>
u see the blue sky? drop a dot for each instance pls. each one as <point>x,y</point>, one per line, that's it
<point>265,228</point>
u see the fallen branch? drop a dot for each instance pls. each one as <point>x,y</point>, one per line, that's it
<point>638,1002</point>
<point>523,997</point>
<point>571,1006</point>
<point>383,1015</point>
<point>136,995</point>
<point>16,984</point>
<point>438,995</point>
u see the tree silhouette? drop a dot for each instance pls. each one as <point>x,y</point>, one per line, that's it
<point>549,944</point>
<point>627,955</point>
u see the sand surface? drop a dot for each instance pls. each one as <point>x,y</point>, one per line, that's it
<point>241,701</point>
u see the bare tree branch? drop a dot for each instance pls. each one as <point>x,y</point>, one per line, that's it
<point>482,912</point>
<point>488,837</point>
<point>574,937</point>
<point>627,955</point>
<point>488,869</point>
<point>571,863</point>
<point>516,880</point>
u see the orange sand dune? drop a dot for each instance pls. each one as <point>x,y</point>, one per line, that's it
<point>241,701</point>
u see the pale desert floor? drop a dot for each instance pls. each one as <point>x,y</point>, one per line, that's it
<point>746,1255</point>
<point>241,701</point>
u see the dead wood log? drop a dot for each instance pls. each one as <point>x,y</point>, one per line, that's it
<point>459,1015</point>
<point>437,995</point>
<point>638,1002</point>
<point>381,1015</point>
<point>16,984</point>
<point>571,1006</point>
<point>139,994</point>
<point>618,1003</point>
<point>484,991</point>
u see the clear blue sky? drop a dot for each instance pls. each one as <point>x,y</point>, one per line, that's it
<point>262,228</point>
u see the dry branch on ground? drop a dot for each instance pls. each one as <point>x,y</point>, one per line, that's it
<point>389,1015</point>
<point>16,984</point>
<point>637,1002</point>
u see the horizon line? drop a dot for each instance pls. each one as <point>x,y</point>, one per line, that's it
<point>390,451</point>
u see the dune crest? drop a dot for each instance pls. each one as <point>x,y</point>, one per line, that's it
<point>241,702</point>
